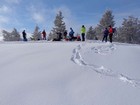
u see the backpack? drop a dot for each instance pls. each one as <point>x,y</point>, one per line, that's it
<point>111,30</point>
<point>114,30</point>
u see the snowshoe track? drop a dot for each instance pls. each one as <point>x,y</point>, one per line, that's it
<point>103,50</point>
<point>77,58</point>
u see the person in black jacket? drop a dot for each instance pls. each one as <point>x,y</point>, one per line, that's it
<point>65,34</point>
<point>24,35</point>
<point>59,37</point>
<point>106,32</point>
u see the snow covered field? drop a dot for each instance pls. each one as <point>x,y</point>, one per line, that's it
<point>69,73</point>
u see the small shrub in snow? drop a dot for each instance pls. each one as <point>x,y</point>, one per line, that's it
<point>11,36</point>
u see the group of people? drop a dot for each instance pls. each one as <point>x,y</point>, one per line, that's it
<point>25,35</point>
<point>108,32</point>
<point>66,37</point>
<point>70,36</point>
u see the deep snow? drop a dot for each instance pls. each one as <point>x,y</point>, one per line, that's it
<point>69,73</point>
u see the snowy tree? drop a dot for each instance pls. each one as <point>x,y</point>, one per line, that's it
<point>106,20</point>
<point>98,31</point>
<point>129,32</point>
<point>11,36</point>
<point>91,34</point>
<point>6,35</point>
<point>50,36</point>
<point>60,26</point>
<point>37,34</point>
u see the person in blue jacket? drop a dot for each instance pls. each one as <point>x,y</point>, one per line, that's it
<point>106,32</point>
<point>71,34</point>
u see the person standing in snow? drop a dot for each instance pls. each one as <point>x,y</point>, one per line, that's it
<point>44,34</point>
<point>83,31</point>
<point>71,34</point>
<point>105,35</point>
<point>65,34</point>
<point>110,33</point>
<point>24,35</point>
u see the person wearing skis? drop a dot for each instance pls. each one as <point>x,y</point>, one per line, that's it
<point>24,35</point>
<point>110,33</point>
<point>83,31</point>
<point>105,35</point>
<point>44,34</point>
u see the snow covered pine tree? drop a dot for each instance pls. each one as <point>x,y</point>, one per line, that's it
<point>59,28</point>
<point>11,36</point>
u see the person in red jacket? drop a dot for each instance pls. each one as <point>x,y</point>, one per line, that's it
<point>110,33</point>
<point>44,34</point>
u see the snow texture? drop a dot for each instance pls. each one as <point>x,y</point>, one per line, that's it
<point>69,73</point>
<point>102,50</point>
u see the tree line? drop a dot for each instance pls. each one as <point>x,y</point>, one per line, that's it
<point>128,32</point>
<point>15,35</point>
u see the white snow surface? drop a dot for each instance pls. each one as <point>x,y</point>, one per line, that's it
<point>69,73</point>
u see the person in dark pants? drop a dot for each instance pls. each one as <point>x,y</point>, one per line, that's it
<point>65,34</point>
<point>83,31</point>
<point>71,34</point>
<point>110,33</point>
<point>24,35</point>
<point>59,37</point>
<point>44,34</point>
<point>105,35</point>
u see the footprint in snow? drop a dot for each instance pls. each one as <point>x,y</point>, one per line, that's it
<point>103,50</point>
